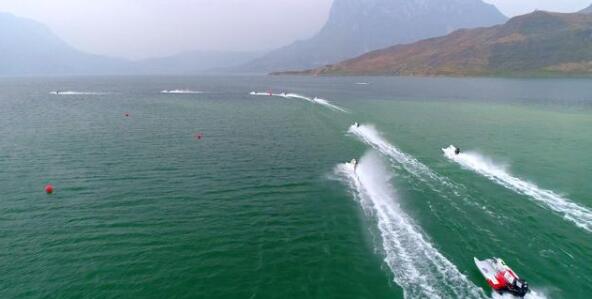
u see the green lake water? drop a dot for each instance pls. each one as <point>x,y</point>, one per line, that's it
<point>262,205</point>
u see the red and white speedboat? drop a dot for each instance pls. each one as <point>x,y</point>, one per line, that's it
<point>501,277</point>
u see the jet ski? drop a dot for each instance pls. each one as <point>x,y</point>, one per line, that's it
<point>501,277</point>
<point>451,150</point>
<point>354,163</point>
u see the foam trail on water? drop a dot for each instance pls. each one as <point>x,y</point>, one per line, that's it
<point>181,91</point>
<point>328,104</point>
<point>369,135</point>
<point>255,93</point>
<point>532,294</point>
<point>580,216</point>
<point>281,95</point>
<point>315,100</point>
<point>297,96</point>
<point>71,92</point>
<point>372,137</point>
<point>418,267</point>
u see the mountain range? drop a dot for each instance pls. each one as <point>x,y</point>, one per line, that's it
<point>539,43</point>
<point>404,37</point>
<point>355,27</point>
<point>30,48</point>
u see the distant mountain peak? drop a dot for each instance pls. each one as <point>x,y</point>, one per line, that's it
<point>358,26</point>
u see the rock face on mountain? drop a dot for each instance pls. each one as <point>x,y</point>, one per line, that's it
<point>355,27</point>
<point>539,43</point>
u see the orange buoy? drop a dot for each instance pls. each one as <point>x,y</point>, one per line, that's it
<point>48,189</point>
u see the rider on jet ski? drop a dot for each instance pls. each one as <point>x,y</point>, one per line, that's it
<point>354,163</point>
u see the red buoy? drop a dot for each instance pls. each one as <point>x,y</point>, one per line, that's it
<point>48,189</point>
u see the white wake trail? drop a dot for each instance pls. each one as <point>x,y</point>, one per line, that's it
<point>281,95</point>
<point>442,185</point>
<point>71,93</point>
<point>329,105</point>
<point>418,267</point>
<point>369,135</point>
<point>372,137</point>
<point>315,100</point>
<point>255,93</point>
<point>580,216</point>
<point>181,91</point>
<point>532,294</point>
<point>297,96</point>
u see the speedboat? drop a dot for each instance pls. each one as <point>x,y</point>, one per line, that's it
<point>501,277</point>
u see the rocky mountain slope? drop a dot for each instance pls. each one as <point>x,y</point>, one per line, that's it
<point>539,43</point>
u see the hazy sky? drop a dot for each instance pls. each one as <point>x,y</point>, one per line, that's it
<point>143,28</point>
<point>518,7</point>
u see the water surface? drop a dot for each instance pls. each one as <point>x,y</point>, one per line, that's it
<point>256,209</point>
